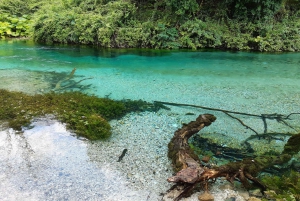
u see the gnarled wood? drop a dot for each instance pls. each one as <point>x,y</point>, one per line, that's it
<point>190,172</point>
<point>179,150</point>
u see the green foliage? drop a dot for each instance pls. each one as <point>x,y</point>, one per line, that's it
<point>64,24</point>
<point>131,37</point>
<point>281,38</point>
<point>87,5</point>
<point>291,5</point>
<point>286,187</point>
<point>165,37</point>
<point>18,7</point>
<point>198,34</point>
<point>13,26</point>
<point>271,36</point>
<point>254,9</point>
<point>231,24</point>
<point>188,7</point>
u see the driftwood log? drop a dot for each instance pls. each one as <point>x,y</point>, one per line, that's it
<point>190,172</point>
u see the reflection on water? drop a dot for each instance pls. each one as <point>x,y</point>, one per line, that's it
<point>47,163</point>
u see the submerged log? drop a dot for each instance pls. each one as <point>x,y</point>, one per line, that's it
<point>179,150</point>
<point>184,160</point>
<point>190,172</point>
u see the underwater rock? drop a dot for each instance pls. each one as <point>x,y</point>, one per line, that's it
<point>231,199</point>
<point>270,194</point>
<point>256,193</point>
<point>206,159</point>
<point>254,199</point>
<point>206,197</point>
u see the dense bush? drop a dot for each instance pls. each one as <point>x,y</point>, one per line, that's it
<point>230,24</point>
<point>13,26</point>
<point>19,7</point>
<point>198,34</point>
<point>268,36</point>
<point>65,24</point>
<point>254,9</point>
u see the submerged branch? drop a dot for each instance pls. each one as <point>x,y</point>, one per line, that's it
<point>71,85</point>
<point>278,117</point>
<point>191,172</point>
<point>241,122</point>
<point>208,108</point>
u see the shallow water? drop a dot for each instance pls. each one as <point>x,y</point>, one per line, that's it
<point>47,163</point>
<point>254,83</point>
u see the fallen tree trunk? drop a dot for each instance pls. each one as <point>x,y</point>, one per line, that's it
<point>190,172</point>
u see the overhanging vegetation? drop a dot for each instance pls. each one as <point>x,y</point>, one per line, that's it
<point>232,24</point>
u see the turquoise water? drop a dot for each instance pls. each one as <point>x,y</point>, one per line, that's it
<point>230,80</point>
<point>27,55</point>
<point>256,83</point>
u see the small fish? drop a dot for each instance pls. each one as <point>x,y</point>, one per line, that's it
<point>122,155</point>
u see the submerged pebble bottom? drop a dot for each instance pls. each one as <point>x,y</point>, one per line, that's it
<point>48,163</point>
<point>145,164</point>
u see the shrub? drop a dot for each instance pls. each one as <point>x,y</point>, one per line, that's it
<point>13,26</point>
<point>198,34</point>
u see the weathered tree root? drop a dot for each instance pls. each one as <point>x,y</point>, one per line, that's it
<point>190,172</point>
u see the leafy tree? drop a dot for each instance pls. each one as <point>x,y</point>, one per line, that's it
<point>253,9</point>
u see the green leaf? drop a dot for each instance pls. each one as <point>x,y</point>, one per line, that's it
<point>14,20</point>
<point>8,31</point>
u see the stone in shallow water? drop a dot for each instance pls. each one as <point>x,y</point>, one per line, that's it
<point>206,197</point>
<point>254,199</point>
<point>255,193</point>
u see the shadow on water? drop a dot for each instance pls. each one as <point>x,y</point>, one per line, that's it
<point>32,82</point>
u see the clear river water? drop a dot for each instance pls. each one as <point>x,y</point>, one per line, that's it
<point>47,162</point>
